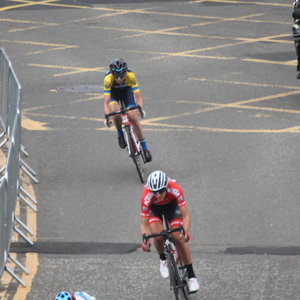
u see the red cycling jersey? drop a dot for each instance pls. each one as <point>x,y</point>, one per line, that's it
<point>174,191</point>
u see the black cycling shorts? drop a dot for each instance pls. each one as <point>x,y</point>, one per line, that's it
<point>170,210</point>
<point>124,95</point>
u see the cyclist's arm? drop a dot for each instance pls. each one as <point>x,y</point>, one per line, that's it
<point>107,83</point>
<point>186,218</point>
<point>139,98</point>
<point>136,89</point>
<point>106,103</point>
<point>144,226</point>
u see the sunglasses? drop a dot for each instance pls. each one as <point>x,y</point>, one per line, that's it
<point>119,73</point>
<point>160,191</point>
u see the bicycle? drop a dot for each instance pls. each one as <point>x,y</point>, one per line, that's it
<point>177,272</point>
<point>134,146</point>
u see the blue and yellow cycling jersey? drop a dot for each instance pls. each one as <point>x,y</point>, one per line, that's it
<point>110,85</point>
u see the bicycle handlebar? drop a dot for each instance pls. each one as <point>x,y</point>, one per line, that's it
<point>164,233</point>
<point>122,111</point>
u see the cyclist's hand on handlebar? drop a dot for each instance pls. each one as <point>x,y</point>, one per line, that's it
<point>146,245</point>
<point>187,237</point>
<point>142,114</point>
<point>107,122</point>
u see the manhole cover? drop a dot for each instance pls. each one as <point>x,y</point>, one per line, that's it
<point>85,88</point>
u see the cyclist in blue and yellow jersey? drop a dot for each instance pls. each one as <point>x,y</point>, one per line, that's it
<point>120,84</point>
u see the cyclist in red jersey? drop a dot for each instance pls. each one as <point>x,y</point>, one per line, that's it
<point>163,195</point>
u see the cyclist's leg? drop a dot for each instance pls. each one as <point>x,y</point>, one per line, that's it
<point>155,226</point>
<point>184,252</point>
<point>174,218</point>
<point>133,116</point>
<point>114,106</point>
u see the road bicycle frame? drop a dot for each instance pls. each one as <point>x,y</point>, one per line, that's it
<point>136,149</point>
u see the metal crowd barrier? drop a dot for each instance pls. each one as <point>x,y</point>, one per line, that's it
<point>11,189</point>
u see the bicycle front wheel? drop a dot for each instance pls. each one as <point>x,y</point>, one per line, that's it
<point>137,159</point>
<point>175,280</point>
<point>135,154</point>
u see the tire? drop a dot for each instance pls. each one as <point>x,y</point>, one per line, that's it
<point>174,276</point>
<point>184,290</point>
<point>179,286</point>
<point>137,159</point>
<point>136,156</point>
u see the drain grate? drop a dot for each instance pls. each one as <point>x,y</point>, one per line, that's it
<point>81,89</point>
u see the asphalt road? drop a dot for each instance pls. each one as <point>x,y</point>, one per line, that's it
<point>222,101</point>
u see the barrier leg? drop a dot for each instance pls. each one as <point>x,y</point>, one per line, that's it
<point>29,174</point>
<point>24,226</point>
<point>27,202</point>
<point>17,230</point>
<point>12,274</point>
<point>28,195</point>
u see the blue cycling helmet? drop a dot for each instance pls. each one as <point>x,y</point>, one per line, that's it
<point>118,66</point>
<point>64,296</point>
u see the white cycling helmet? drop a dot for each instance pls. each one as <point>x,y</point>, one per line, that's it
<point>157,180</point>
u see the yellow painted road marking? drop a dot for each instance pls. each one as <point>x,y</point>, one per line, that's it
<point>33,125</point>
<point>265,61</point>
<point>75,70</point>
<point>31,264</point>
<point>229,130</point>
<point>27,22</point>
<point>55,47</point>
<point>290,111</point>
<point>217,106</point>
<point>254,84</point>
<point>31,259</point>
<point>215,20</point>
<point>38,25</point>
<point>247,41</point>
<point>67,117</point>
<point>214,106</point>
<point>38,43</point>
<point>25,3</point>
<point>242,2</point>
